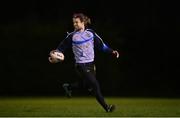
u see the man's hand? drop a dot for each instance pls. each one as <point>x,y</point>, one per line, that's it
<point>52,59</point>
<point>51,53</point>
<point>115,53</point>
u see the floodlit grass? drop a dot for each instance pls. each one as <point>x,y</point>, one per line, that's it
<point>87,107</point>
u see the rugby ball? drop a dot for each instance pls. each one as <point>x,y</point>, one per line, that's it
<point>58,55</point>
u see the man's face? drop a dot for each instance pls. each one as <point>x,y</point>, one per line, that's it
<point>78,25</point>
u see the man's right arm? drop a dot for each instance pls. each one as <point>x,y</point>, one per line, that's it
<point>66,43</point>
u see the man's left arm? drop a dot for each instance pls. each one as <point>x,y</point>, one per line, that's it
<point>100,43</point>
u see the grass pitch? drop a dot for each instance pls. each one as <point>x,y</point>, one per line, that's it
<point>87,107</point>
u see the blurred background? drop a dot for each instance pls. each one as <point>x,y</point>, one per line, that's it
<point>145,32</point>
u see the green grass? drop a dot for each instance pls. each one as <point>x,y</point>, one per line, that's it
<point>59,106</point>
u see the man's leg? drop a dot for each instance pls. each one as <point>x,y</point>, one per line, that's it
<point>90,76</point>
<point>96,89</point>
<point>68,87</point>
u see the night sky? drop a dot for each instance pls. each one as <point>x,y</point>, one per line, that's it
<point>146,34</point>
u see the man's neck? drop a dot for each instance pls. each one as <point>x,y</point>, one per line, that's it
<point>82,30</point>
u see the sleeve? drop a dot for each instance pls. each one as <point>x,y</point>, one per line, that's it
<point>101,45</point>
<point>66,43</point>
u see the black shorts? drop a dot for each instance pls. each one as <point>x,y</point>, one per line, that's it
<point>84,68</point>
<point>86,73</point>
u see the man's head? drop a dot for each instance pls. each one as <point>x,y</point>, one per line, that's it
<point>80,21</point>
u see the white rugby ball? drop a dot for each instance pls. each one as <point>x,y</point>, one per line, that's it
<point>58,55</point>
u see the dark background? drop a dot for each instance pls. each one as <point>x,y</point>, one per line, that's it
<point>144,32</point>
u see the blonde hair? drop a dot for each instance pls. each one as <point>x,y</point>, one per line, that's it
<point>83,18</point>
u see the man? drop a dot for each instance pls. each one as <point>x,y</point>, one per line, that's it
<point>83,41</point>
